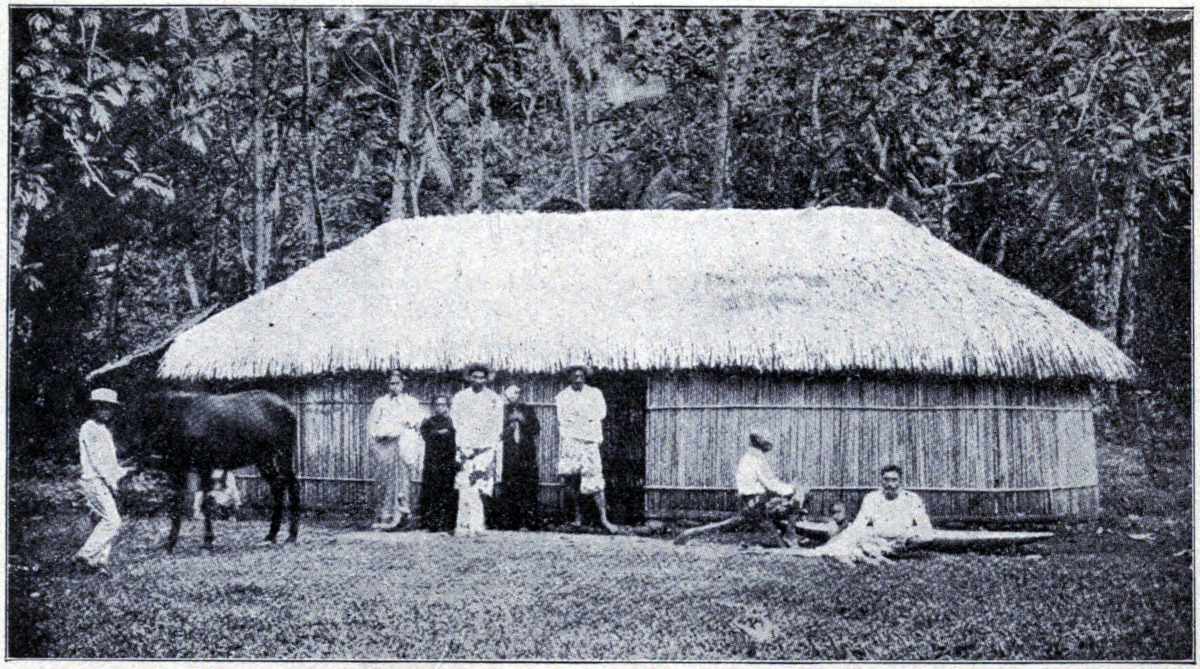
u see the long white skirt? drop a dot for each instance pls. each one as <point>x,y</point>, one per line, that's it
<point>482,468</point>
<point>470,518</point>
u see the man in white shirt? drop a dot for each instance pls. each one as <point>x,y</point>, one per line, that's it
<point>478,416</point>
<point>892,513</point>
<point>888,521</point>
<point>101,473</point>
<point>580,410</point>
<point>765,499</point>
<point>398,452</point>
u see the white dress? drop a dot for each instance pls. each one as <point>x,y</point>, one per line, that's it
<point>398,451</point>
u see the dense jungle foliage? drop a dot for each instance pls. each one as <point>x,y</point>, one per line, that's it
<point>165,160</point>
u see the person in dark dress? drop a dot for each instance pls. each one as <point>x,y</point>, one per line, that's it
<point>439,500</point>
<point>517,506</point>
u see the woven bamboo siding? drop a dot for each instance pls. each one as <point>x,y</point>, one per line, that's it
<point>333,459</point>
<point>976,449</point>
<point>333,448</point>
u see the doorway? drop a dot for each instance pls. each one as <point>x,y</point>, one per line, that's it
<point>623,453</point>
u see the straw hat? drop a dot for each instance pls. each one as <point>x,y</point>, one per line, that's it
<point>104,395</point>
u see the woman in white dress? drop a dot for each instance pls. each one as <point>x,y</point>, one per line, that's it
<point>397,450</point>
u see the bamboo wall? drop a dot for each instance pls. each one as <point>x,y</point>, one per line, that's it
<point>333,448</point>
<point>975,449</point>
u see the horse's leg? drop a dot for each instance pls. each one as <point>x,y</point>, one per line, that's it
<point>206,506</point>
<point>179,484</point>
<point>293,491</point>
<point>274,480</point>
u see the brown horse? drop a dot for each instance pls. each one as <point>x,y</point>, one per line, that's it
<point>200,432</point>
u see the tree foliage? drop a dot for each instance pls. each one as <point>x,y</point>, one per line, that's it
<point>165,159</point>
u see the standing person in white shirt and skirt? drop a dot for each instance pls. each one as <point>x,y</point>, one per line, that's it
<point>101,473</point>
<point>580,410</point>
<point>765,499</point>
<point>478,416</point>
<point>393,425</point>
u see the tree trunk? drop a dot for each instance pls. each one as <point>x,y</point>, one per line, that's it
<point>262,251</point>
<point>720,177</point>
<point>568,94</point>
<point>814,179</point>
<point>1126,257</point>
<point>275,202</point>
<point>585,142</point>
<point>402,172</point>
<point>310,146</point>
<point>414,185</point>
<point>189,277</point>
<point>114,298</point>
<point>566,85</point>
<point>478,166</point>
<point>400,178</point>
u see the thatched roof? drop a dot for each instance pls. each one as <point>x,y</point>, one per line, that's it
<point>814,291</point>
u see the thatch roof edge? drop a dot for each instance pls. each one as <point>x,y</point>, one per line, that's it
<point>1058,347</point>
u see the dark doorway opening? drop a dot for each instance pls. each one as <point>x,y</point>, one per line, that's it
<point>623,453</point>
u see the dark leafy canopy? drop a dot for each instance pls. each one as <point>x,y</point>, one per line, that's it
<point>168,159</point>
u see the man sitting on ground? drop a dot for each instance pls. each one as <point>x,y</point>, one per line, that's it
<point>889,520</point>
<point>765,499</point>
<point>892,513</point>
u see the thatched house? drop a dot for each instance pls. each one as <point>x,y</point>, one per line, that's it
<point>862,339</point>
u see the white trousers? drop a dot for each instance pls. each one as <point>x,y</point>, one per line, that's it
<point>470,512</point>
<point>100,500</point>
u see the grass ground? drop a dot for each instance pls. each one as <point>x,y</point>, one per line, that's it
<point>560,596</point>
<point>1119,588</point>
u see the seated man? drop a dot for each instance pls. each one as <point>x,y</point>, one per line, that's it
<point>892,513</point>
<point>888,520</point>
<point>765,499</point>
